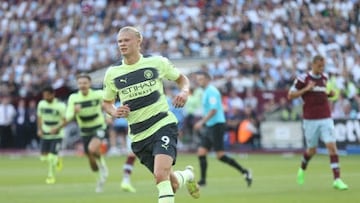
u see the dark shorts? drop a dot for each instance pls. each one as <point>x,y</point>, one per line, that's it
<point>86,139</point>
<point>50,146</point>
<point>163,141</point>
<point>213,137</point>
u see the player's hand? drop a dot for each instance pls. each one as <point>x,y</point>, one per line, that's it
<point>39,133</point>
<point>331,93</point>
<point>54,131</point>
<point>122,111</point>
<point>180,99</point>
<point>77,108</point>
<point>310,85</point>
<point>198,125</point>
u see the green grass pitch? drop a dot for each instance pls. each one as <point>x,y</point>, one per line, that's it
<point>22,180</point>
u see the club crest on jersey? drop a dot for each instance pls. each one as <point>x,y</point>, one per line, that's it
<point>148,74</point>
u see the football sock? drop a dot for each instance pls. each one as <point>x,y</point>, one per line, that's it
<point>233,163</point>
<point>335,166</point>
<point>52,158</point>
<point>166,194</point>
<point>102,160</point>
<point>203,167</point>
<point>305,160</point>
<point>183,176</point>
<point>128,167</point>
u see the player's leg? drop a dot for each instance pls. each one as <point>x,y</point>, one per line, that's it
<point>162,170</point>
<point>312,134</point>
<point>185,177</point>
<point>217,133</point>
<point>45,157</point>
<point>127,169</point>
<point>167,144</point>
<point>202,151</point>
<point>328,137</point>
<point>165,156</point>
<point>44,150</point>
<point>164,148</point>
<point>91,155</point>
<point>97,159</point>
<point>113,150</point>
<point>92,160</point>
<point>60,163</point>
<point>54,145</point>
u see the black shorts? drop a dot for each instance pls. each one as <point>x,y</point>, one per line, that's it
<point>50,146</point>
<point>213,137</point>
<point>163,141</point>
<point>86,139</point>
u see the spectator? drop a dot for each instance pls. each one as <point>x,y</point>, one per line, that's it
<point>21,122</point>
<point>7,115</point>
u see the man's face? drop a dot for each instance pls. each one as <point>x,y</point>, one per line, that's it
<point>83,84</point>
<point>128,43</point>
<point>318,66</point>
<point>48,96</point>
<point>201,80</point>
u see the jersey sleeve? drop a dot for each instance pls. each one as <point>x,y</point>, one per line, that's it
<point>62,110</point>
<point>70,110</point>
<point>100,94</point>
<point>170,71</point>
<point>109,93</point>
<point>298,84</point>
<point>38,109</point>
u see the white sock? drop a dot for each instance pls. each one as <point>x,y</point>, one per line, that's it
<point>183,176</point>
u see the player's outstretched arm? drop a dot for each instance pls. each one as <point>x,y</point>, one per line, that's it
<point>120,112</point>
<point>184,86</point>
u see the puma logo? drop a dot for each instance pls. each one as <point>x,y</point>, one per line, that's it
<point>123,80</point>
<point>165,146</point>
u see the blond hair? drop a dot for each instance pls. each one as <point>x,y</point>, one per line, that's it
<point>133,30</point>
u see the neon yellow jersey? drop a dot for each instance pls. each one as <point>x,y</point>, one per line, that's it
<point>91,117</point>
<point>140,86</point>
<point>51,115</point>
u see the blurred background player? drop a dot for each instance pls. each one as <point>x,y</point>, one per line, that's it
<point>117,135</point>
<point>317,121</point>
<point>86,106</point>
<point>171,93</point>
<point>119,129</point>
<point>214,121</point>
<point>50,121</point>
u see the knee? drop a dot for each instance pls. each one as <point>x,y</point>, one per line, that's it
<point>91,150</point>
<point>332,151</point>
<point>311,151</point>
<point>161,175</point>
<point>220,154</point>
<point>201,151</point>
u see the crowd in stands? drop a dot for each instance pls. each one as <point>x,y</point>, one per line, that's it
<point>258,45</point>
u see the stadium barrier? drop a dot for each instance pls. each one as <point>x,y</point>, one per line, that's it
<point>281,135</point>
<point>289,135</point>
<point>347,132</point>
